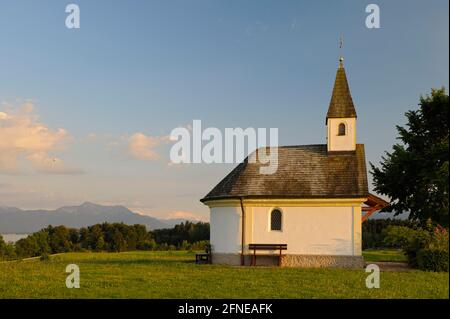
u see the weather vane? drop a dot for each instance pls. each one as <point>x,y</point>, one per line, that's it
<point>341,45</point>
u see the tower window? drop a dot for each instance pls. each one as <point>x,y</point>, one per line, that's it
<point>275,220</point>
<point>341,129</point>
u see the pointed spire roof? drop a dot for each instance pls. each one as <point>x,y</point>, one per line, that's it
<point>341,104</point>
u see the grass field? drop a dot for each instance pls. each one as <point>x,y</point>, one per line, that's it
<point>174,275</point>
<point>374,255</point>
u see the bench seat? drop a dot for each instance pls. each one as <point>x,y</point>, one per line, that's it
<point>277,247</point>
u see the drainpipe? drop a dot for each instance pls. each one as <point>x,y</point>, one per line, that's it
<point>243,233</point>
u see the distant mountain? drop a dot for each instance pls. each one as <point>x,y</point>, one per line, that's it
<point>378,215</point>
<point>16,221</point>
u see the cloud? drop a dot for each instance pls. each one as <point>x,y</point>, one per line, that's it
<point>180,214</point>
<point>142,147</point>
<point>52,165</point>
<point>25,140</point>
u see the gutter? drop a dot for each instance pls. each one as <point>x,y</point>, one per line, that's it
<point>224,197</point>
<point>242,232</point>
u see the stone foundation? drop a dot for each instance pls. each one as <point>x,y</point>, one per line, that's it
<point>302,261</point>
<point>318,261</point>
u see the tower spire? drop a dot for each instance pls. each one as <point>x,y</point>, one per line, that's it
<point>341,104</point>
<point>341,115</point>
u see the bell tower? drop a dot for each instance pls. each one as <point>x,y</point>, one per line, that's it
<point>341,115</point>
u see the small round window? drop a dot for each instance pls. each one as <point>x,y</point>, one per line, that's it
<point>275,220</point>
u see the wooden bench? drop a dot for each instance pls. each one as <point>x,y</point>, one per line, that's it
<point>204,258</point>
<point>255,247</point>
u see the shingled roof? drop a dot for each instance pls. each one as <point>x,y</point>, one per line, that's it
<point>341,104</point>
<point>305,171</point>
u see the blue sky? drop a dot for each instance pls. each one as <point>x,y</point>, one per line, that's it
<point>149,66</point>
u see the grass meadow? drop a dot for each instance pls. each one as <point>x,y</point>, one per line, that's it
<point>173,274</point>
<point>392,255</point>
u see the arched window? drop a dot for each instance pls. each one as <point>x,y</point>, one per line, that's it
<point>341,129</point>
<point>275,220</point>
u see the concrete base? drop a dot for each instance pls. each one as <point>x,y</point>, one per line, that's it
<point>302,261</point>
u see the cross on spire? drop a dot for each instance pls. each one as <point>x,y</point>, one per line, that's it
<point>341,46</point>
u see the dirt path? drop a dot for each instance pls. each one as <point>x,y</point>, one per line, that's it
<point>390,266</point>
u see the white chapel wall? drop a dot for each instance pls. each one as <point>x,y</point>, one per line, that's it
<point>311,230</point>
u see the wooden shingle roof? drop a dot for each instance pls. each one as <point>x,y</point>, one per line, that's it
<point>305,171</point>
<point>341,104</point>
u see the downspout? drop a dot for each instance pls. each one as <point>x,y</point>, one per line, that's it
<point>243,233</point>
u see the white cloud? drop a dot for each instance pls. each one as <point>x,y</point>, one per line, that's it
<point>25,141</point>
<point>180,214</point>
<point>3,116</point>
<point>142,147</point>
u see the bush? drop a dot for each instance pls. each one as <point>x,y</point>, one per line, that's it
<point>374,232</point>
<point>148,244</point>
<point>44,257</point>
<point>200,245</point>
<point>432,260</point>
<point>425,247</point>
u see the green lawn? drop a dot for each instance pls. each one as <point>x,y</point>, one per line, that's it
<point>374,255</point>
<point>174,275</point>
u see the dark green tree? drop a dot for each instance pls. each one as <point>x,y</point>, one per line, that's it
<point>59,239</point>
<point>119,244</point>
<point>26,247</point>
<point>415,174</point>
<point>3,248</point>
<point>95,238</point>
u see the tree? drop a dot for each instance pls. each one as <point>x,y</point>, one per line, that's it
<point>415,174</point>
<point>95,233</point>
<point>59,239</point>
<point>3,248</point>
<point>100,243</point>
<point>27,247</point>
<point>119,244</point>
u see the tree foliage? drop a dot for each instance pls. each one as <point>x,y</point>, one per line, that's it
<point>374,232</point>
<point>185,231</point>
<point>415,174</point>
<point>115,237</point>
<point>426,247</point>
<point>6,250</point>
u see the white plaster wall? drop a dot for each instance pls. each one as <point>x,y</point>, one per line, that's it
<point>225,223</point>
<point>357,229</point>
<point>341,143</point>
<point>311,230</point>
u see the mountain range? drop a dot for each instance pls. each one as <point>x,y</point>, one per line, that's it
<point>17,221</point>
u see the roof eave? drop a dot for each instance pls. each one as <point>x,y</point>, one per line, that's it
<point>236,197</point>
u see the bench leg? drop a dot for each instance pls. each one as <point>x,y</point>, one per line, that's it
<point>279,259</point>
